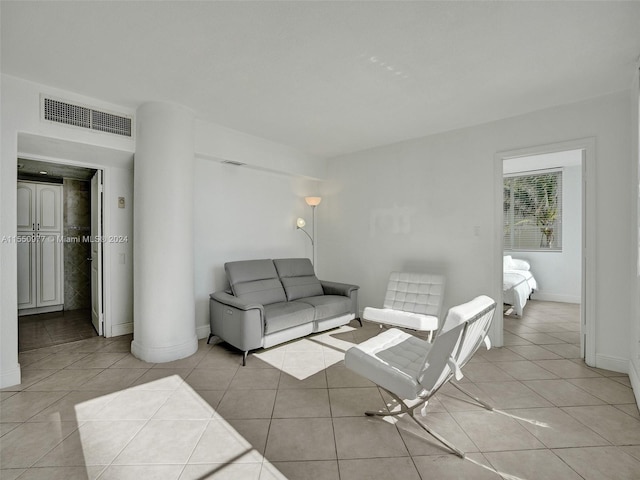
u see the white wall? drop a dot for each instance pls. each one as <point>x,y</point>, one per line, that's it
<point>429,204</point>
<point>240,214</point>
<point>119,222</point>
<point>558,274</point>
<point>220,143</point>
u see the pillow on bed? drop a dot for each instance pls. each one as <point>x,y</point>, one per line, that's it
<point>506,262</point>
<point>517,264</point>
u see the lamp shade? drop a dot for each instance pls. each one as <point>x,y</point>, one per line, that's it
<point>300,223</point>
<point>313,201</point>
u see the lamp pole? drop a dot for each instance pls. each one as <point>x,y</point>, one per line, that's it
<point>313,233</point>
<point>313,202</point>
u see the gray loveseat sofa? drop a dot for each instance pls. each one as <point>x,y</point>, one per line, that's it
<point>274,301</point>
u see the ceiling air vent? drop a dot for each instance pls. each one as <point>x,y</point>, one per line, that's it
<point>85,117</point>
<point>62,112</point>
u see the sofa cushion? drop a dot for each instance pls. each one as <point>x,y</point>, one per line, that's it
<point>283,315</point>
<point>255,281</point>
<point>328,306</point>
<point>298,278</point>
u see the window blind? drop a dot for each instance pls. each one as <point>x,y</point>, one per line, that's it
<point>533,211</point>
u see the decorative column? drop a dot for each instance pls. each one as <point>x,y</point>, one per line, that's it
<point>164,306</point>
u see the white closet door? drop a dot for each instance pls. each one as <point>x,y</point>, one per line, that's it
<point>26,274</point>
<point>26,206</point>
<point>49,208</point>
<point>49,258</point>
<point>40,261</point>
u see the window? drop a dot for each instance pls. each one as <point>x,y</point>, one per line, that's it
<point>533,211</point>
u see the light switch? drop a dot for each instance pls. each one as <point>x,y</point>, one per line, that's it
<point>120,202</point>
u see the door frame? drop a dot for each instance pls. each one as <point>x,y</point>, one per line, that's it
<point>96,247</point>
<point>106,222</point>
<point>588,290</point>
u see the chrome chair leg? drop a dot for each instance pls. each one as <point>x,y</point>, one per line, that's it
<point>470,395</point>
<point>404,408</point>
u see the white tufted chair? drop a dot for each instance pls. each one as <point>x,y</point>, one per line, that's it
<point>413,300</point>
<point>412,370</point>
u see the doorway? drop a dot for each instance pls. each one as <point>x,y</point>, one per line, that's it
<point>583,250</point>
<point>542,238</point>
<point>72,274</point>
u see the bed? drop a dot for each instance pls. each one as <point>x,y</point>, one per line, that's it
<point>518,283</point>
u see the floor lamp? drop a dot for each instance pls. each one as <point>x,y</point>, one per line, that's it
<point>313,202</point>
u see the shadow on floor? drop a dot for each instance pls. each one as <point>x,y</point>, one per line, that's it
<point>55,328</point>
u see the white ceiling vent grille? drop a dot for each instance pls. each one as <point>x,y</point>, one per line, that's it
<point>108,122</point>
<point>85,117</point>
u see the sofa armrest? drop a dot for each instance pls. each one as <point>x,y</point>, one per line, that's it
<point>335,288</point>
<point>233,301</point>
<point>344,289</point>
<point>238,323</point>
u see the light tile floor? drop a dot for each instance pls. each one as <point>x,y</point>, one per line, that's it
<point>90,410</point>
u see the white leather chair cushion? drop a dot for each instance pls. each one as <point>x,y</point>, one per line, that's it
<point>399,318</point>
<point>392,359</point>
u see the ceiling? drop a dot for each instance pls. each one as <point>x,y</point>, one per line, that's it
<point>43,171</point>
<point>328,78</point>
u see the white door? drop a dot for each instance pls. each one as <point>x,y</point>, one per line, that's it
<point>49,270</point>
<point>26,196</point>
<point>26,271</point>
<point>49,208</point>
<point>26,247</point>
<point>40,255</point>
<point>96,253</point>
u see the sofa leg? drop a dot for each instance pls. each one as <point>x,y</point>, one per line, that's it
<point>209,339</point>
<point>244,358</point>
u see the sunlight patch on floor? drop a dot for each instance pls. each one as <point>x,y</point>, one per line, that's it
<point>308,356</point>
<point>163,422</point>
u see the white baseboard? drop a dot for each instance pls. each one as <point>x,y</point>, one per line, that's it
<point>203,331</point>
<point>552,297</point>
<point>634,376</point>
<point>121,329</point>
<point>126,328</point>
<point>164,354</point>
<point>615,364</point>
<point>10,377</point>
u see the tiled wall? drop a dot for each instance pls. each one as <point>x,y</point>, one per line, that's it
<point>77,223</point>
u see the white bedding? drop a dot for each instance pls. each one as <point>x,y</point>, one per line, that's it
<point>517,286</point>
